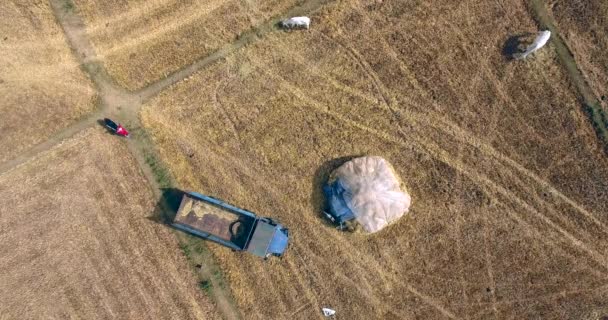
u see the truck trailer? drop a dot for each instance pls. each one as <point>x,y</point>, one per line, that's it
<point>233,227</point>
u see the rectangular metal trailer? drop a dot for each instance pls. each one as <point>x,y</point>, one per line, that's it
<point>233,227</point>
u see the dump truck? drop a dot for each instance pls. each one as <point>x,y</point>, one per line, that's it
<point>233,227</point>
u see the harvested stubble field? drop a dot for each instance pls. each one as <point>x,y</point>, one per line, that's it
<point>77,243</point>
<point>140,41</point>
<point>584,25</point>
<point>507,178</point>
<point>42,88</point>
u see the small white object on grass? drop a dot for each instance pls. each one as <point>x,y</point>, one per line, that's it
<point>328,312</point>
<point>296,22</point>
<point>539,42</point>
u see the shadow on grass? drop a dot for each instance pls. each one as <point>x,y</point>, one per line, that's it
<point>167,206</point>
<point>321,176</point>
<point>102,123</point>
<point>513,45</point>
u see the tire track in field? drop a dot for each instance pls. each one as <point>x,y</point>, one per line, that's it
<point>428,300</point>
<point>487,71</point>
<point>442,155</point>
<point>130,15</point>
<point>515,164</point>
<point>360,273</point>
<point>166,28</point>
<point>111,96</point>
<point>561,294</point>
<point>445,159</point>
<point>488,262</point>
<point>369,71</point>
<point>244,39</point>
<point>222,110</point>
<point>112,224</point>
<point>118,257</point>
<point>298,249</point>
<point>297,57</point>
<point>457,232</point>
<point>548,241</point>
<point>479,143</point>
<point>296,271</point>
<point>306,289</point>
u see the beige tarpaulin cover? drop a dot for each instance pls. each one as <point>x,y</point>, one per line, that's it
<point>372,192</point>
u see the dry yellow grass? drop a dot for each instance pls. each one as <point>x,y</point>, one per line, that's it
<point>584,25</point>
<point>507,179</point>
<point>141,41</point>
<point>77,243</point>
<point>42,87</point>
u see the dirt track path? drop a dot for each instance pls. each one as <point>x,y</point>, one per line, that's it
<point>115,100</point>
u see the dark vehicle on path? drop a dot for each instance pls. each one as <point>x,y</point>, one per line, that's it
<point>116,128</point>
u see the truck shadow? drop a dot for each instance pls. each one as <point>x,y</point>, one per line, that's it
<point>167,206</point>
<point>317,198</point>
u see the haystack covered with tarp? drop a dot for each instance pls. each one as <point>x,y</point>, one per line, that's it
<point>367,190</point>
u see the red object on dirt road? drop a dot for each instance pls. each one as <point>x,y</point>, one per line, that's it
<point>122,131</point>
<point>116,128</point>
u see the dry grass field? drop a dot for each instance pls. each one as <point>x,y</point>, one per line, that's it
<point>77,243</point>
<point>584,25</point>
<point>506,175</point>
<point>141,41</point>
<point>42,87</point>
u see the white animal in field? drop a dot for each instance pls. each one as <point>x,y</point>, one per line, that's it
<point>296,22</point>
<point>539,42</point>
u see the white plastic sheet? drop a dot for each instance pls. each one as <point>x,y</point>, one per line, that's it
<point>539,42</point>
<point>373,192</point>
<point>328,312</point>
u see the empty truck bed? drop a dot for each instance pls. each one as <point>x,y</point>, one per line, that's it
<point>212,219</point>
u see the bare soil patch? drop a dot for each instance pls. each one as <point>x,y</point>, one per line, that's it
<point>507,178</point>
<point>42,87</point>
<point>77,241</point>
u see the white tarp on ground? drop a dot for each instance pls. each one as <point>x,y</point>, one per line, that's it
<point>373,192</point>
<point>541,39</point>
<point>328,312</point>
